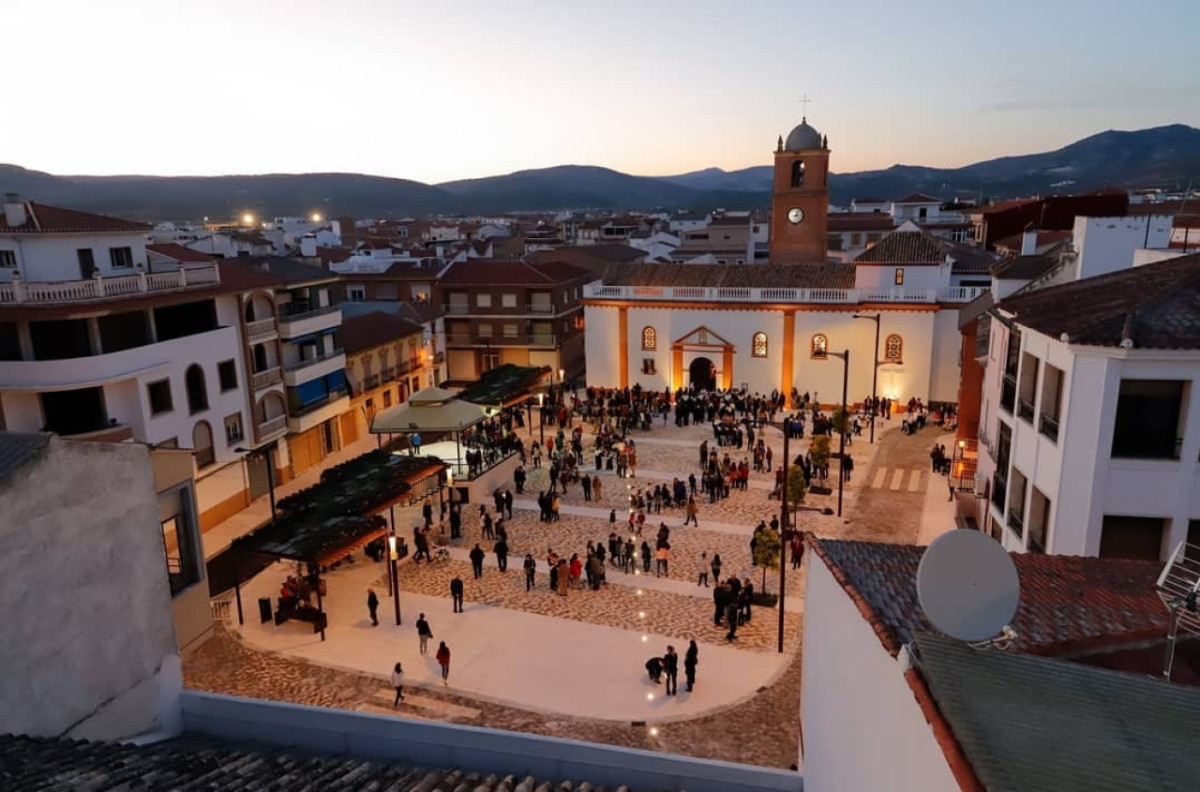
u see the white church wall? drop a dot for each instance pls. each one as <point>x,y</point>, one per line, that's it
<point>600,346</point>
<point>947,349</point>
<point>914,276</point>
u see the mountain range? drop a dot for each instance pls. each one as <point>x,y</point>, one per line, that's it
<point>1167,156</point>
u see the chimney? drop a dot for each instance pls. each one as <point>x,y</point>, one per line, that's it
<point>14,211</point>
<point>1029,241</point>
<point>308,246</point>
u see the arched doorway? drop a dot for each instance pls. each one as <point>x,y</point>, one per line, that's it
<point>703,374</point>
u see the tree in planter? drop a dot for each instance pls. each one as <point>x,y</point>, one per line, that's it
<point>841,421</point>
<point>818,456</point>
<point>797,490</point>
<point>767,547</point>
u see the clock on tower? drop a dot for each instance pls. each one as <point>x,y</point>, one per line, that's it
<point>800,200</point>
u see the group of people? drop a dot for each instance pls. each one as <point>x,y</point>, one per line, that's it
<point>667,666</point>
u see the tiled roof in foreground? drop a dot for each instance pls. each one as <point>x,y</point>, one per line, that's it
<point>33,763</point>
<point>1069,604</point>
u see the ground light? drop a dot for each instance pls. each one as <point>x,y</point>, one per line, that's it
<point>653,731</point>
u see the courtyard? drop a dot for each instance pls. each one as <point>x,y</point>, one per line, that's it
<point>574,666</point>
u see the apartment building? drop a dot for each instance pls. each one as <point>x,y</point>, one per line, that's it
<point>388,358</point>
<point>498,312</point>
<point>1090,415</point>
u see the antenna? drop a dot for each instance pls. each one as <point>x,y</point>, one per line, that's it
<point>968,587</point>
<point>1177,587</point>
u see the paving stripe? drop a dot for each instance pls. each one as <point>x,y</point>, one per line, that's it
<point>914,481</point>
<point>671,520</point>
<point>388,695</point>
<point>880,475</point>
<point>897,479</point>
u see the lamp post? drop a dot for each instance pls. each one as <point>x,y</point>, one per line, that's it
<point>541,419</point>
<point>237,582</point>
<point>845,358</point>
<point>395,581</point>
<point>562,384</point>
<point>874,369</point>
<point>529,410</point>
<point>783,515</point>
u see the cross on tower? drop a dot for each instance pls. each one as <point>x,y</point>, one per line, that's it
<point>804,100</point>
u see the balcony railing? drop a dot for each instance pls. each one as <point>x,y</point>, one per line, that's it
<point>539,309</point>
<point>953,294</point>
<point>332,396</point>
<point>1025,409</point>
<point>999,491</point>
<point>272,426</point>
<point>523,339</point>
<point>458,309</point>
<point>388,374</point>
<point>266,378</point>
<point>1008,392</point>
<point>312,361</point>
<point>294,312</point>
<point>99,287</point>
<point>260,329</point>
<point>439,358</point>
<point>1017,523</point>
<point>1049,427</point>
<point>370,382</point>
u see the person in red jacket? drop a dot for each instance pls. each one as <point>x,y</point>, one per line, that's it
<point>443,658</point>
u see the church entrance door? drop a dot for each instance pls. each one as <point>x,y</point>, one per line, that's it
<point>703,374</point>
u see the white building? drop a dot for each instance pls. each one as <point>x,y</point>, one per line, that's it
<point>1088,421</point>
<point>683,222</point>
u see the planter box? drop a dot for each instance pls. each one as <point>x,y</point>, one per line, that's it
<point>818,490</point>
<point>764,599</point>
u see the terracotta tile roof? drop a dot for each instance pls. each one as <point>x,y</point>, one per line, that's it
<point>43,219</point>
<point>918,198</point>
<point>1069,604</point>
<point>968,259</point>
<point>512,273</point>
<point>377,328</point>
<point>860,221</point>
<point>904,247</point>
<point>584,255</point>
<point>333,255</point>
<point>193,762</point>
<point>1156,306</point>
<point>1018,267</point>
<point>179,252</point>
<point>788,276</point>
<point>284,270</point>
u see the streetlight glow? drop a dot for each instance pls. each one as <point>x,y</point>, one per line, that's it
<point>316,217</point>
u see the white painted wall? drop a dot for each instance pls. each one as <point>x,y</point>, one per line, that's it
<point>863,728</point>
<point>90,641</point>
<point>1107,244</point>
<point>915,276</point>
<point>54,257</point>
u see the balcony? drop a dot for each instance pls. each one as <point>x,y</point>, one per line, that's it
<point>260,330</point>
<point>1008,392</point>
<point>271,427</point>
<point>521,340</point>
<point>302,320</point>
<point>999,491</point>
<point>261,380</point>
<point>388,374</point>
<point>311,368</point>
<point>370,382</point>
<point>953,294</point>
<point>113,433</point>
<point>544,310</point>
<point>458,309</point>
<point>1049,427</point>
<point>22,292</point>
<point>1025,410</point>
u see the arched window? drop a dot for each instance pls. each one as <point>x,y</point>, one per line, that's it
<point>197,391</point>
<point>758,346</point>
<point>820,345</point>
<point>893,348</point>
<point>798,173</point>
<point>202,442</point>
<point>649,339</point>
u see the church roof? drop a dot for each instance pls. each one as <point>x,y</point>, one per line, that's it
<point>803,137</point>
<point>783,276</point>
<point>904,247</point>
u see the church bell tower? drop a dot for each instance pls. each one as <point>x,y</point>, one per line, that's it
<point>800,199</point>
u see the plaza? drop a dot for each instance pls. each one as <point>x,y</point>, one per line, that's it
<point>574,666</point>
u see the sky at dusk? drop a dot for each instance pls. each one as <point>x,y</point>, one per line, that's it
<point>438,90</point>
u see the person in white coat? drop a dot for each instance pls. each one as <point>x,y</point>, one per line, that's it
<point>398,683</point>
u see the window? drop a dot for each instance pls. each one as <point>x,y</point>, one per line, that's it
<point>649,339</point>
<point>508,300</point>
<point>491,360</point>
<point>227,375</point>
<point>1149,414</point>
<point>758,345</point>
<point>233,429</point>
<point>8,259</point>
<point>820,345</point>
<point>1008,386</point>
<point>509,329</point>
<point>202,444</point>
<point>798,173</point>
<point>648,366</point>
<point>87,262</point>
<point>856,239</point>
<point>1039,521</point>
<point>180,538</point>
<point>356,293</point>
<point>1016,502</point>
<point>159,394</point>
<point>898,279</point>
<point>1052,383</point>
<point>1132,537</point>
<point>120,257</point>
<point>893,349</point>
<point>483,300</point>
<point>873,238</point>
<point>387,398</point>
<point>485,329</point>
<point>1027,390</point>
<point>197,391</point>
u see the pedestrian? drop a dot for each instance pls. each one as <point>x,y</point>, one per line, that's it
<point>373,606</point>
<point>456,593</point>
<point>427,513</point>
<point>716,568</point>
<point>477,556</point>
<point>530,568</point>
<point>692,509</point>
<point>443,658</point>
<point>398,683</point>
<point>702,565</point>
<point>731,616</point>
<point>661,557</point>
<point>690,661</point>
<point>501,551</point>
<point>586,483</point>
<point>508,502</point>
<point>423,633</point>
<point>654,667</point>
<point>645,549</point>
<point>455,522</point>
<point>950,484</point>
<point>671,669</point>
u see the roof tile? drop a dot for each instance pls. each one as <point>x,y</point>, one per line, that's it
<point>43,219</point>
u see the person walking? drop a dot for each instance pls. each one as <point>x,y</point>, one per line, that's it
<point>645,550</point>
<point>424,633</point>
<point>692,510</point>
<point>398,683</point>
<point>508,502</point>
<point>414,443</point>
<point>731,615</point>
<point>661,556</point>
<point>477,556</point>
<point>456,593</point>
<point>716,568</point>
<point>443,658</point>
<point>373,606</point>
<point>671,669</point>
<point>690,661</point>
<point>702,565</point>
<point>530,568</point>
<point>597,487</point>
<point>586,483</point>
<point>501,551</point>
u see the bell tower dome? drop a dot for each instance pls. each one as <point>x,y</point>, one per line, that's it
<point>800,198</point>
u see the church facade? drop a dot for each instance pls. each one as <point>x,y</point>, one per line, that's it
<point>775,326</point>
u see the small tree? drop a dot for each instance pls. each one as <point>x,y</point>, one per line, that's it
<point>818,455</point>
<point>767,547</point>
<point>797,490</point>
<point>841,421</point>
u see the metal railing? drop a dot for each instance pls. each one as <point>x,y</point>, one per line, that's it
<point>312,361</point>
<point>999,491</point>
<point>1008,392</point>
<point>521,339</point>
<point>272,426</point>
<point>370,382</point>
<point>288,313</point>
<point>539,309</point>
<point>1049,426</point>
<point>266,378</point>
<point>953,294</point>
<point>1025,409</point>
<point>260,329</point>
<point>99,287</point>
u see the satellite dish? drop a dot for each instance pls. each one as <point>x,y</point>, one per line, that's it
<point>968,585</point>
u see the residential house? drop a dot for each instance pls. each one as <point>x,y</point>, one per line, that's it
<point>387,359</point>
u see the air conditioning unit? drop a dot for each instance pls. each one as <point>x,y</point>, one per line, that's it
<point>981,485</point>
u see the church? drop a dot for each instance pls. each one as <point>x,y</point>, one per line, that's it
<point>786,324</point>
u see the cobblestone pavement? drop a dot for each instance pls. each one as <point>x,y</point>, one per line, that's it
<point>736,734</point>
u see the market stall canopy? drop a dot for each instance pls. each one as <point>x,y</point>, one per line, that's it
<point>429,410</point>
<point>507,384</point>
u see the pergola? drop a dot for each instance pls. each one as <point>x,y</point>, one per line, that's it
<point>434,411</point>
<point>328,521</point>
<point>507,385</point>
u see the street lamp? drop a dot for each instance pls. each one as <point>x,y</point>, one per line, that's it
<point>845,358</point>
<point>395,581</point>
<point>541,419</point>
<point>783,515</point>
<point>874,369</point>
<point>529,412</point>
